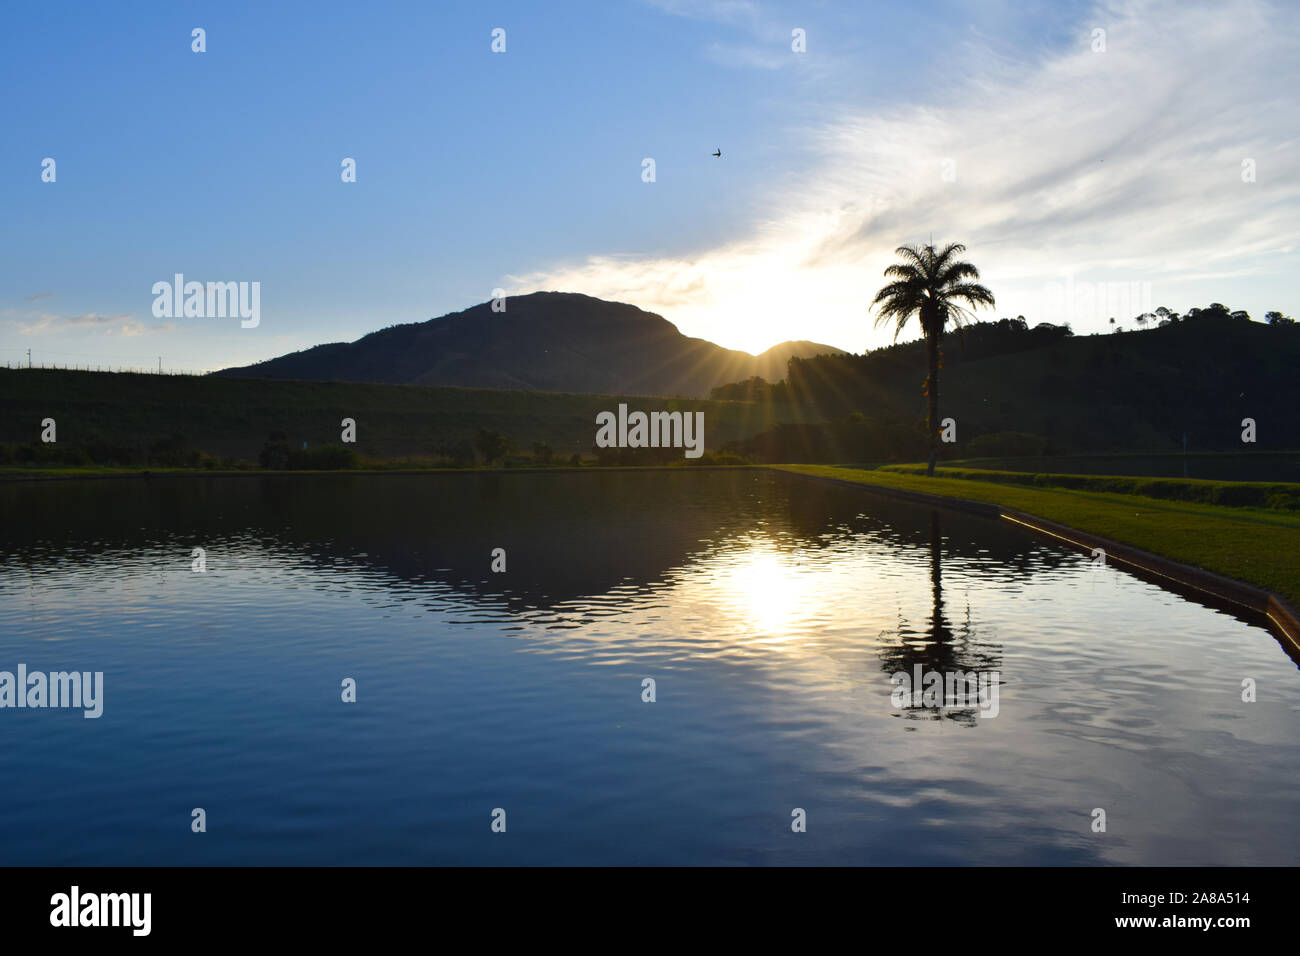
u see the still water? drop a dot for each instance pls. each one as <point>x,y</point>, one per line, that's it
<point>769,610</point>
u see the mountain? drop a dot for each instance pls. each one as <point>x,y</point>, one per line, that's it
<point>771,365</point>
<point>545,341</point>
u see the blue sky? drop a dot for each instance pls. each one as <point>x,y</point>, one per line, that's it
<point>995,124</point>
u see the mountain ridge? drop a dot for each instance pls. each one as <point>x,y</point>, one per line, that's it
<point>542,341</point>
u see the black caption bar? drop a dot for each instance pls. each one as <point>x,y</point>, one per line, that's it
<point>178,905</point>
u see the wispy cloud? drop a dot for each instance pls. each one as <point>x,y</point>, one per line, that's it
<point>32,323</point>
<point>52,322</point>
<point>1120,165</point>
<point>39,295</point>
<point>39,323</point>
<point>132,329</point>
<point>94,318</point>
<point>762,58</point>
<point>720,11</point>
<point>762,39</point>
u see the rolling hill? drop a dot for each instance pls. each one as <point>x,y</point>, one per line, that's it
<point>1014,392</point>
<point>545,341</point>
<point>132,418</point>
<point>1131,391</point>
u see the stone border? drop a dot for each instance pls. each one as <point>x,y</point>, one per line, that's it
<point>1273,607</point>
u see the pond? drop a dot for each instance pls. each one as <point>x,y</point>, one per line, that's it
<point>674,667</point>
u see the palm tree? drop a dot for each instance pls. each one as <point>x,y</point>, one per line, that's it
<point>930,285</point>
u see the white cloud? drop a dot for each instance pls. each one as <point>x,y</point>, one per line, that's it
<point>38,323</point>
<point>1117,166</point>
<point>49,322</point>
<point>33,322</point>
<point>135,328</point>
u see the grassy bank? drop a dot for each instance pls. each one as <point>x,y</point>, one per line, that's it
<point>1257,546</point>
<point>1280,496</point>
<point>1261,465</point>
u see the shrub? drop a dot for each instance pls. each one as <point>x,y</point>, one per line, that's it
<point>322,458</point>
<point>1241,495</point>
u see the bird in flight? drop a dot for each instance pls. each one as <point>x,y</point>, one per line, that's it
<point>718,152</point>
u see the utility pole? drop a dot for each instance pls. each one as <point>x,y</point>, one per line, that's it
<point>160,365</point>
<point>29,358</point>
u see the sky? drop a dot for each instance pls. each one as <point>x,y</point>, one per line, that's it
<point>1096,160</point>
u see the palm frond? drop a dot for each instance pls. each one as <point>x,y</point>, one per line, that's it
<point>956,272</point>
<point>932,285</point>
<point>972,292</point>
<point>900,271</point>
<point>912,255</point>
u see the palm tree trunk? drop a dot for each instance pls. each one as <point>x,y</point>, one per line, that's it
<point>932,393</point>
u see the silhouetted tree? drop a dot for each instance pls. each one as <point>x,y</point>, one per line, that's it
<point>493,446</point>
<point>275,452</point>
<point>930,284</point>
<point>1215,310</point>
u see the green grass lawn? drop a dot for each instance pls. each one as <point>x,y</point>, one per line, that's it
<point>1283,496</point>
<point>1262,465</point>
<point>1256,545</point>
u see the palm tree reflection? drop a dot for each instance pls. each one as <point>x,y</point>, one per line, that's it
<point>938,649</point>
